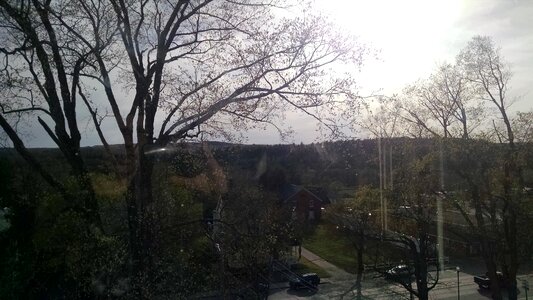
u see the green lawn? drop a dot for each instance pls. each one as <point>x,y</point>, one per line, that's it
<point>337,249</point>
<point>332,247</point>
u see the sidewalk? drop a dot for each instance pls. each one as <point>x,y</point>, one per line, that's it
<point>337,274</point>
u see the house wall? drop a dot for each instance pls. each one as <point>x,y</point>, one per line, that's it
<point>307,207</point>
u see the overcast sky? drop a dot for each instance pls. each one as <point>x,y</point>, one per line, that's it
<point>412,37</point>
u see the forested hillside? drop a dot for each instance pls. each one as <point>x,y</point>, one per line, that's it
<point>47,250</point>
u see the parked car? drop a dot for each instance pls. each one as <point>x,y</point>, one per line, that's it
<point>483,281</point>
<point>262,289</point>
<point>400,272</point>
<point>304,281</point>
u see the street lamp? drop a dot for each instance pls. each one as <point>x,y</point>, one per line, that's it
<point>526,286</point>
<point>458,290</point>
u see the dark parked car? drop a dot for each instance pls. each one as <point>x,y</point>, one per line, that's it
<point>483,281</point>
<point>304,281</point>
<point>400,272</point>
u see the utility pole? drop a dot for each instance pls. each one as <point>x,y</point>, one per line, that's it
<point>381,183</point>
<point>458,288</point>
<point>384,170</point>
<point>440,210</point>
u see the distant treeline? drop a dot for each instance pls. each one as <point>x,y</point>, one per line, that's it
<point>332,165</point>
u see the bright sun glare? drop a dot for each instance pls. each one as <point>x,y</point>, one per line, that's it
<point>411,35</point>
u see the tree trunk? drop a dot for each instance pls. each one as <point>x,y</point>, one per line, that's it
<point>486,248</point>
<point>360,268</point>
<point>464,122</point>
<point>141,222</point>
<point>421,270</point>
<point>495,288</point>
<point>90,203</point>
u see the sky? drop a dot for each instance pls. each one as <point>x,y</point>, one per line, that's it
<point>411,37</point>
<point>415,35</point>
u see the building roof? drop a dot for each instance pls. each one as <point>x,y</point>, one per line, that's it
<point>290,190</point>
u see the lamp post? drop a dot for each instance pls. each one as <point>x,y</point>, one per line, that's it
<point>526,286</point>
<point>458,289</point>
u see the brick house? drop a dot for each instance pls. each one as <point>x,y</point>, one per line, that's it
<point>306,203</point>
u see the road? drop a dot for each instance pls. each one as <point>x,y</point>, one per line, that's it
<point>374,287</point>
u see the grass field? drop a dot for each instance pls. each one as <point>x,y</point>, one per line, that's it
<point>332,247</point>
<point>337,249</point>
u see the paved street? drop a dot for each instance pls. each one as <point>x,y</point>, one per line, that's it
<point>341,283</point>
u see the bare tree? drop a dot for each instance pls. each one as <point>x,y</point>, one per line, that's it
<point>430,100</point>
<point>415,192</point>
<point>356,217</point>
<point>458,96</point>
<point>472,162</point>
<point>442,100</point>
<point>380,116</point>
<point>523,127</point>
<point>166,72</point>
<point>489,74</point>
<point>410,231</point>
